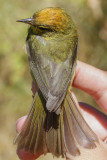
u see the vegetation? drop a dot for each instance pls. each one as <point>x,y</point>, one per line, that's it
<point>15,82</point>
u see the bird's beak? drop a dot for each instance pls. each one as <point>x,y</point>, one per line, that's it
<point>28,20</point>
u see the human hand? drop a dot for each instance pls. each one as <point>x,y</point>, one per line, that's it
<point>94,82</point>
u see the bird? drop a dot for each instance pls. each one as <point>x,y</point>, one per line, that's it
<point>54,123</point>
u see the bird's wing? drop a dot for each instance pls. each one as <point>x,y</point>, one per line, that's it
<point>52,78</point>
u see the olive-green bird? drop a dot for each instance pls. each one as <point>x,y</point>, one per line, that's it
<point>54,123</point>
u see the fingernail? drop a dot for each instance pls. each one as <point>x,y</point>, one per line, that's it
<point>20,122</point>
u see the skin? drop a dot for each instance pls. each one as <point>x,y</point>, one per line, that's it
<point>94,82</point>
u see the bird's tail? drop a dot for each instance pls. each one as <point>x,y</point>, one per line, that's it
<point>45,132</point>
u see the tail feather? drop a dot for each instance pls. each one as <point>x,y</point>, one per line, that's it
<point>46,131</point>
<point>69,139</point>
<point>53,134</point>
<point>83,133</point>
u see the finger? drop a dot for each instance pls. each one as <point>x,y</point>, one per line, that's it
<point>95,119</point>
<point>93,81</point>
<point>25,155</point>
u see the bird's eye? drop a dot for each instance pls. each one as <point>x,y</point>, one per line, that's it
<point>43,29</point>
<point>46,29</point>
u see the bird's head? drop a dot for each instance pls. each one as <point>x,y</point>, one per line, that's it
<point>52,19</point>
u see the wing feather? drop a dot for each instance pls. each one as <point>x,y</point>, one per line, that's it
<point>52,77</point>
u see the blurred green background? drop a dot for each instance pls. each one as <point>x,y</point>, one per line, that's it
<point>15,80</point>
